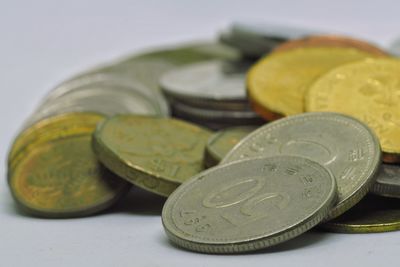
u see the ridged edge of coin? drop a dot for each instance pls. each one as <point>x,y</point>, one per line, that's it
<point>255,244</point>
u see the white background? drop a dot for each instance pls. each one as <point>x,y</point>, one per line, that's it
<point>44,42</point>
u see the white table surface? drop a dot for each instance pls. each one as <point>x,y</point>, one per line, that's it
<point>44,42</point>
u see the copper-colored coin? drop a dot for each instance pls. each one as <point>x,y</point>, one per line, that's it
<point>331,41</point>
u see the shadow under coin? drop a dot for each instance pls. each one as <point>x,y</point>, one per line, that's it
<point>139,201</point>
<point>309,238</point>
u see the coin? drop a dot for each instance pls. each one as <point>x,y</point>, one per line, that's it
<point>156,154</point>
<point>62,178</point>
<point>58,127</point>
<point>221,142</point>
<point>331,41</point>
<point>347,147</point>
<point>249,205</point>
<point>105,94</point>
<point>206,84</point>
<point>277,83</point>
<point>374,214</point>
<point>367,90</point>
<point>388,181</point>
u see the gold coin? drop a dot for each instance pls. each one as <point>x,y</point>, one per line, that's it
<point>368,90</point>
<point>51,129</point>
<point>63,178</point>
<point>277,83</point>
<point>221,142</point>
<point>330,41</point>
<point>373,214</point>
<point>156,154</point>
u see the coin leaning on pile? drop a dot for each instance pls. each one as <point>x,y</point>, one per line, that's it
<point>103,131</point>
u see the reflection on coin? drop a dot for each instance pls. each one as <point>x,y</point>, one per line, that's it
<point>221,142</point>
<point>330,41</point>
<point>373,214</point>
<point>367,90</point>
<point>388,181</point>
<point>63,178</point>
<point>204,84</point>
<point>156,154</point>
<point>277,83</point>
<point>71,124</point>
<point>345,146</point>
<point>249,205</point>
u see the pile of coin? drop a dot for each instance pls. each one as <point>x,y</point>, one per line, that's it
<point>302,133</point>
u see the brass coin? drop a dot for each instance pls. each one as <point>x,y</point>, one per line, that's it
<point>330,41</point>
<point>368,90</point>
<point>277,83</point>
<point>373,214</point>
<point>51,129</point>
<point>156,154</point>
<point>221,142</point>
<point>63,178</point>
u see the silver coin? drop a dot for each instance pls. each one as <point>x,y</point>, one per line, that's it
<point>388,181</point>
<point>270,30</point>
<point>249,205</point>
<point>205,80</point>
<point>103,94</point>
<point>221,142</point>
<point>344,145</point>
<point>210,114</point>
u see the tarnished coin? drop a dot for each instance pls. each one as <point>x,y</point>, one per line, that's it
<point>368,90</point>
<point>388,181</point>
<point>374,214</point>
<point>63,178</point>
<point>156,154</point>
<point>221,142</point>
<point>249,205</point>
<point>331,41</point>
<point>347,147</point>
<point>58,127</point>
<point>277,83</point>
<point>206,84</point>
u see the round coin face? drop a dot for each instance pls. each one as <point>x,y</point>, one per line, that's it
<point>205,80</point>
<point>330,41</point>
<point>345,146</point>
<point>368,90</point>
<point>249,205</point>
<point>277,83</point>
<point>374,214</point>
<point>157,154</point>
<point>388,181</point>
<point>63,178</point>
<point>221,142</point>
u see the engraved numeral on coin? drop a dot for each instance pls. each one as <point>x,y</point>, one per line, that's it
<point>356,154</point>
<point>292,170</point>
<point>257,208</point>
<point>269,167</point>
<point>191,219</point>
<point>348,173</point>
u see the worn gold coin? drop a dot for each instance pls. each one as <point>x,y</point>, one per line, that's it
<point>330,41</point>
<point>373,214</point>
<point>51,129</point>
<point>221,142</point>
<point>63,178</point>
<point>277,83</point>
<point>156,154</point>
<point>368,90</point>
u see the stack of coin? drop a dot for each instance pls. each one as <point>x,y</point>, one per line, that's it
<point>52,169</point>
<point>210,93</point>
<point>100,132</point>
